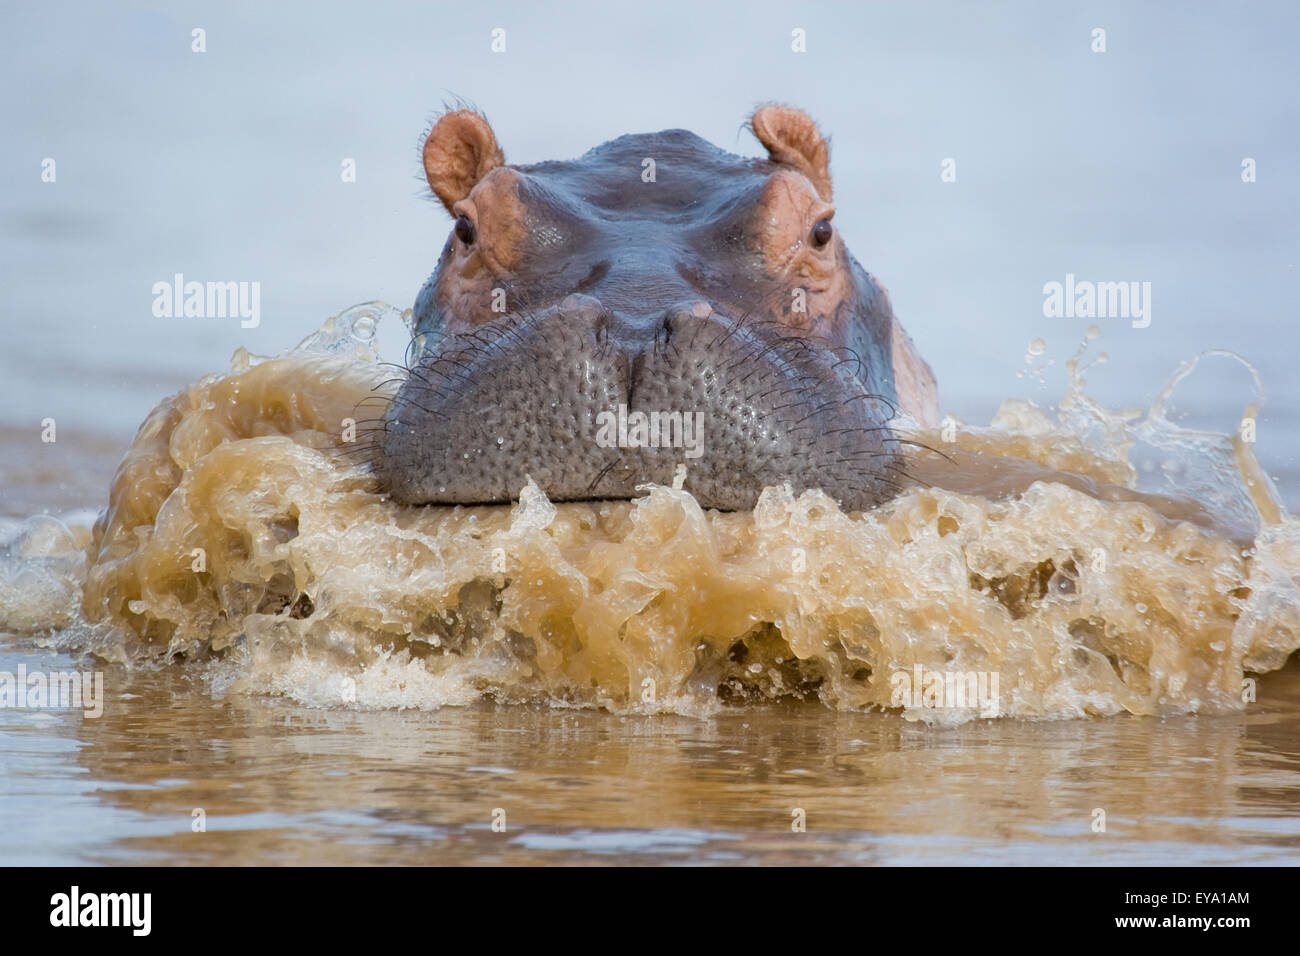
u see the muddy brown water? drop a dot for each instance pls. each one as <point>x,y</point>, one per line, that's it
<point>489,716</point>
<point>279,782</point>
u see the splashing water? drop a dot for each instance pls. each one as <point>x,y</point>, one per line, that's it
<point>1031,571</point>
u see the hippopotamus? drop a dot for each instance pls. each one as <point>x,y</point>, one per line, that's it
<point>659,310</point>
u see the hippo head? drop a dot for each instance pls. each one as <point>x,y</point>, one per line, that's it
<point>597,324</point>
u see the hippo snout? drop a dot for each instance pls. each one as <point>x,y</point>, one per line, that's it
<point>596,329</point>
<point>569,398</point>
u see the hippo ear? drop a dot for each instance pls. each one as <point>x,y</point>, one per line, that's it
<point>792,138</point>
<point>461,150</point>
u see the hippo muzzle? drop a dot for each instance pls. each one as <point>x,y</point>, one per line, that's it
<point>656,311</point>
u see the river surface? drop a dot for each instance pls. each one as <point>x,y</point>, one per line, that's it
<point>284,783</point>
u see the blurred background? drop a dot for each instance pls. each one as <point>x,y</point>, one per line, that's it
<point>225,165</point>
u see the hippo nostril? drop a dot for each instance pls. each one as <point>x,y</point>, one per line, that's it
<point>664,332</point>
<point>585,312</point>
<point>682,324</point>
<point>600,326</point>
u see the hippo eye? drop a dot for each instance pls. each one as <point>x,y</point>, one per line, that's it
<point>822,232</point>
<point>465,230</point>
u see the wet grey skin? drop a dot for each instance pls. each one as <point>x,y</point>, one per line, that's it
<point>668,296</point>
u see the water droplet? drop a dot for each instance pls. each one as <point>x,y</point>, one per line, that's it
<point>1141,608</point>
<point>364,327</point>
<point>1036,347</point>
